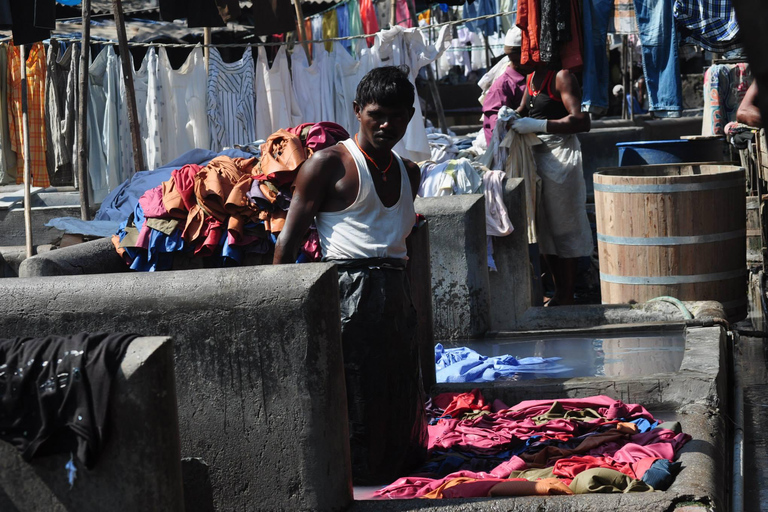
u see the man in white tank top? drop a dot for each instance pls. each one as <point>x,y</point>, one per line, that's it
<point>360,195</point>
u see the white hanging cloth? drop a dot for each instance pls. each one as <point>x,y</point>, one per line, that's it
<point>276,105</point>
<point>230,100</point>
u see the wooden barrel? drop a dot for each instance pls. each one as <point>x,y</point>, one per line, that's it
<point>674,229</point>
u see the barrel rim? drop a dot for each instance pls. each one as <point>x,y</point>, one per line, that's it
<point>612,173</point>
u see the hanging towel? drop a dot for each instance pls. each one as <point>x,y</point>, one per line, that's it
<point>35,113</point>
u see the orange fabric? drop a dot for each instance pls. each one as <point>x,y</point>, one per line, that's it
<point>543,487</point>
<point>213,184</point>
<point>35,113</point>
<point>463,487</point>
<point>529,21</point>
<point>281,156</point>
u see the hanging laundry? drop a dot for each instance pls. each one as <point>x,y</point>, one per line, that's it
<point>7,154</point>
<point>35,67</point>
<point>555,28</point>
<point>369,20</point>
<point>571,52</point>
<point>508,21</point>
<point>403,14</point>
<point>709,24</point>
<point>61,111</point>
<point>151,102</point>
<point>355,21</point>
<point>407,46</point>
<point>276,105</point>
<point>317,32</point>
<point>481,8</point>
<point>342,17</point>
<point>330,28</point>
<point>624,21</point>
<point>185,103</point>
<point>529,21</point>
<point>348,72</point>
<point>104,159</point>
<point>230,100</point>
<point>24,28</point>
<point>313,85</point>
<point>520,163</point>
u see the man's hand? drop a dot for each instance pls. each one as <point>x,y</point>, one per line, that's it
<point>529,125</point>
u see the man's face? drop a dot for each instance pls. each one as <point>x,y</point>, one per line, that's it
<point>383,126</point>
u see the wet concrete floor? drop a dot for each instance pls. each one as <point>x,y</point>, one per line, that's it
<point>754,363</point>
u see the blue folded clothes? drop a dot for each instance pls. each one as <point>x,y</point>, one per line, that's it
<point>463,364</point>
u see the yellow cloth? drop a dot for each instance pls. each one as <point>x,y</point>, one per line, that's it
<point>35,113</point>
<point>330,28</point>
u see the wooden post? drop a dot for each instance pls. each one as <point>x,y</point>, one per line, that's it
<point>130,93</point>
<point>624,107</point>
<point>206,48</point>
<point>392,13</point>
<point>487,52</point>
<point>82,114</point>
<point>300,27</point>
<point>25,145</point>
<point>430,77</point>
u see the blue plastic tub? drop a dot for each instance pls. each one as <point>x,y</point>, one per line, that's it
<point>670,151</point>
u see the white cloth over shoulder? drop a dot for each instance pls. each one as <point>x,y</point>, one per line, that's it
<point>520,163</point>
<point>497,221</point>
<point>563,227</point>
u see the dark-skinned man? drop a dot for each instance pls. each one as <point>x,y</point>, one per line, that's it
<point>552,104</point>
<point>360,195</point>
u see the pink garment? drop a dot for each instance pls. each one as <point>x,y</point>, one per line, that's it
<point>413,487</point>
<point>152,203</point>
<point>368,17</point>
<point>507,90</point>
<point>320,135</point>
<point>605,406</point>
<point>143,239</point>
<point>403,14</point>
<point>572,466</point>
<point>456,404</point>
<point>185,183</point>
<point>311,247</point>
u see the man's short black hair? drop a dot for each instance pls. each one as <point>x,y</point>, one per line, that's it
<point>387,86</point>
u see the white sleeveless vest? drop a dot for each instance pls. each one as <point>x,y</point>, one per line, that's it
<point>367,228</point>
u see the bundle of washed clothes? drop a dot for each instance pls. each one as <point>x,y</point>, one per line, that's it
<point>462,364</point>
<point>231,207</point>
<point>541,447</point>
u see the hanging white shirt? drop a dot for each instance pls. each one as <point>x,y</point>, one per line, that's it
<point>103,138</point>
<point>185,103</point>
<point>276,106</point>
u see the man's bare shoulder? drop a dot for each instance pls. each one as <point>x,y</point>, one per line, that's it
<point>323,163</point>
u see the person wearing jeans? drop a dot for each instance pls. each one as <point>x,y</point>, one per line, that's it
<point>661,66</point>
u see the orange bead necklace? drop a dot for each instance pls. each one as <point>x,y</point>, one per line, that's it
<point>384,172</point>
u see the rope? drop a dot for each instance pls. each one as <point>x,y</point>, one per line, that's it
<point>62,37</point>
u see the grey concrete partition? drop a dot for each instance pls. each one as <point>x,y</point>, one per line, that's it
<point>139,468</point>
<point>420,276</point>
<point>95,257</point>
<point>510,286</point>
<point>261,396</point>
<point>459,257</point>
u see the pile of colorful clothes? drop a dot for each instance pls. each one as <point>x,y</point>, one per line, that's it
<point>225,209</point>
<point>541,447</point>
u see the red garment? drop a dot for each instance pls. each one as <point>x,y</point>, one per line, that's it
<point>608,407</point>
<point>529,21</point>
<point>179,191</point>
<point>368,17</point>
<point>456,404</point>
<point>317,136</point>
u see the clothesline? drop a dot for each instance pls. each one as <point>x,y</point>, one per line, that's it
<point>274,43</point>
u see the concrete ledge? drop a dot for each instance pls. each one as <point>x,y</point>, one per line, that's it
<point>11,258</point>
<point>95,257</point>
<point>258,357</point>
<point>459,258</point>
<point>510,287</point>
<point>12,224</point>
<point>139,468</point>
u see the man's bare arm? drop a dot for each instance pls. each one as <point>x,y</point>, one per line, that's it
<point>309,193</point>
<point>576,121</point>
<point>414,176</point>
<point>749,112</point>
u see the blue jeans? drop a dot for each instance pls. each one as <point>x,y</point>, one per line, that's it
<point>661,66</point>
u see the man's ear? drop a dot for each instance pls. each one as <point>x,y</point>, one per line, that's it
<point>357,109</point>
